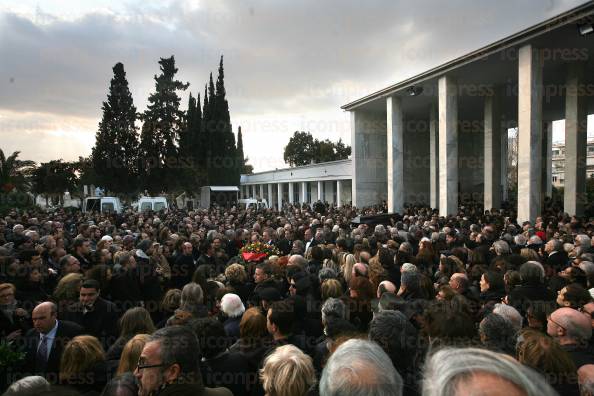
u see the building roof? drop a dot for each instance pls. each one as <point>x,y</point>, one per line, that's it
<point>224,188</point>
<point>572,16</point>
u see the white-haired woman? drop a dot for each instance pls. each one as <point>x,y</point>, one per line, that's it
<point>233,308</point>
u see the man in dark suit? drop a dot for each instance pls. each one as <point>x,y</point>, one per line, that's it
<point>45,342</point>
<point>556,256</point>
<point>97,316</point>
<point>183,268</point>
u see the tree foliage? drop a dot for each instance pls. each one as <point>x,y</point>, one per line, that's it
<point>15,173</point>
<point>303,149</point>
<point>115,154</point>
<point>162,123</point>
<point>222,162</point>
<point>53,178</point>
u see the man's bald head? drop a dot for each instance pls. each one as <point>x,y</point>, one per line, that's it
<point>586,378</point>
<point>360,269</point>
<point>569,326</point>
<point>385,287</point>
<point>44,317</point>
<point>47,306</point>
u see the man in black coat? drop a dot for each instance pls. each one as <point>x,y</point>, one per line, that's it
<point>45,343</point>
<point>148,278</point>
<point>183,268</point>
<point>556,257</point>
<point>97,316</point>
<point>125,287</point>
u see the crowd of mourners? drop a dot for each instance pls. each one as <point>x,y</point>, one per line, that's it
<point>164,303</point>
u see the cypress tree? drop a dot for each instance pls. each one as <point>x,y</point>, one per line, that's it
<point>240,158</point>
<point>205,134</point>
<point>226,159</point>
<point>186,138</point>
<point>197,136</point>
<point>166,121</point>
<point>115,154</point>
<point>213,144</point>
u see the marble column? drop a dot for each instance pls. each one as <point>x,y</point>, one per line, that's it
<point>369,160</point>
<point>261,188</point>
<point>304,192</point>
<point>270,195</point>
<point>492,152</point>
<point>433,157</point>
<point>320,191</point>
<point>338,193</point>
<point>329,192</point>
<point>395,134</point>
<point>547,159</point>
<point>448,146</point>
<point>529,133</point>
<point>279,194</point>
<point>504,153</point>
<point>575,143</point>
<point>291,193</point>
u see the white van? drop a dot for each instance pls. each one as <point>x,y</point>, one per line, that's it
<point>102,204</point>
<point>253,203</point>
<point>152,203</point>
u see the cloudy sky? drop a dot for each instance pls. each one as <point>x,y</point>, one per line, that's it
<point>289,65</point>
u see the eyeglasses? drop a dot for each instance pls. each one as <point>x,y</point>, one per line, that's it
<point>141,365</point>
<point>292,285</point>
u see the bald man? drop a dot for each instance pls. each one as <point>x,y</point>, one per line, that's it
<point>45,342</point>
<point>385,287</point>
<point>572,330</point>
<point>586,379</point>
<point>360,269</point>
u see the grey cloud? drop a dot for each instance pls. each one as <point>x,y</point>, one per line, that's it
<point>282,57</point>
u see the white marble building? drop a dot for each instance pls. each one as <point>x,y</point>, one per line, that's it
<point>440,137</point>
<point>328,182</point>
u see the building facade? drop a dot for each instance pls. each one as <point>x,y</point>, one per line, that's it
<point>558,163</point>
<point>440,138</point>
<point>328,182</point>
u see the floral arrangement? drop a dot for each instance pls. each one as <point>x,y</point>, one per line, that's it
<point>9,354</point>
<point>258,251</point>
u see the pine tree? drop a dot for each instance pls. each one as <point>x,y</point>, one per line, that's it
<point>115,154</point>
<point>166,121</point>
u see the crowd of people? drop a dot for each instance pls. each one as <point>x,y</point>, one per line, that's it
<point>165,304</point>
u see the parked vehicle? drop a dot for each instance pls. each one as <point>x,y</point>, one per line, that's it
<point>253,203</point>
<point>102,204</point>
<point>152,203</point>
<point>223,196</point>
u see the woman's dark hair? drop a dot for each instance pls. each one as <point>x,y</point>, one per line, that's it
<point>363,287</point>
<point>99,273</point>
<point>495,280</point>
<point>136,320</point>
<point>386,257</point>
<point>449,325</point>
